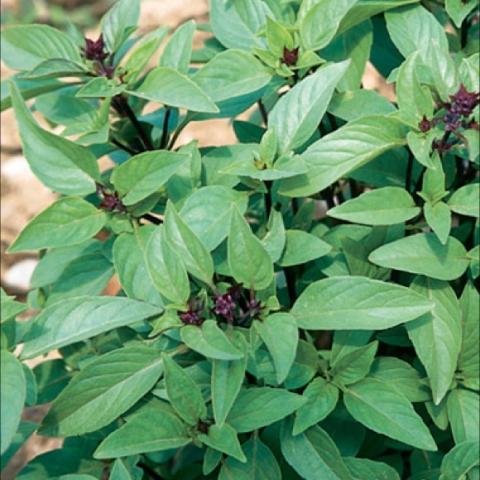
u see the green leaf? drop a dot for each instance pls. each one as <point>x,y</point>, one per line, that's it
<point>60,164</point>
<point>9,307</point>
<point>458,10</point>
<point>362,468</point>
<point>183,393</point>
<point>235,24</point>
<point>208,211</point>
<point>439,218</point>
<point>148,430</point>
<point>469,358</point>
<point>210,341</point>
<point>13,394</point>
<point>260,464</point>
<point>26,46</point>
<point>412,27</point>
<point>424,254</point>
<point>103,390</point>
<point>100,87</point>
<point>313,453</point>
<point>319,23</point>
<point>227,379</point>
<point>76,319</point>
<point>166,268</point>
<point>167,86</point>
<point>379,407</point>
<point>119,22</point>
<point>437,335</point>
<point>466,200</point>
<point>302,247</point>
<point>258,407</point>
<point>414,100</point>
<point>178,51</point>
<point>275,238</point>
<point>322,398</point>
<point>194,254</point>
<point>119,471</point>
<point>129,261</point>
<point>383,206</point>
<point>144,174</point>
<point>232,73</point>
<point>345,303</point>
<point>401,376</point>
<point>279,332</point>
<point>56,68</point>
<point>225,440</point>
<point>248,260</point>
<point>297,114</point>
<point>68,221</point>
<point>355,365</point>
<point>462,407</point>
<point>342,151</point>
<point>460,460</point>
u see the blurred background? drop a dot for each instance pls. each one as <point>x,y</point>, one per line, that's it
<point>23,196</point>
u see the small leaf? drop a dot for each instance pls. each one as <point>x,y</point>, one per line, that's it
<point>275,238</point>
<point>466,200</point>
<point>118,23</point>
<point>362,468</point>
<point>322,398</point>
<point>439,218</point>
<point>178,51</point>
<point>103,390</point>
<point>210,341</point>
<point>355,365</point>
<point>183,393</point>
<point>345,303</point>
<point>76,319</point>
<point>462,407</point>
<point>68,221</point>
<point>424,254</point>
<point>225,440</point>
<point>379,407</point>
<point>460,460</point>
<point>383,206</point>
<point>167,86</point>
<point>144,174</point>
<point>248,260</point>
<point>279,332</point>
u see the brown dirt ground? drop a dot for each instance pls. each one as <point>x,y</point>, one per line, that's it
<point>23,196</point>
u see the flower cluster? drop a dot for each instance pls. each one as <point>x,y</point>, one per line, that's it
<point>195,313</point>
<point>95,49</point>
<point>454,115</point>
<point>110,200</point>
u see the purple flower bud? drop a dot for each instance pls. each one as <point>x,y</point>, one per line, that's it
<point>224,306</point>
<point>463,102</point>
<point>425,124</point>
<point>95,49</point>
<point>290,57</point>
<point>194,314</point>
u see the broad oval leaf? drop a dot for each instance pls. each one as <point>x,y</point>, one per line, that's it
<point>68,221</point>
<point>60,164</point>
<point>359,303</point>
<point>424,254</point>
<point>148,430</point>
<point>26,46</point>
<point>76,319</point>
<point>383,206</point>
<point>362,468</point>
<point>344,150</point>
<point>466,200</point>
<point>210,341</point>
<point>302,247</point>
<point>463,414</point>
<point>12,396</point>
<point>257,407</point>
<point>460,460</point>
<point>297,114</point>
<point>166,85</point>
<point>103,390</point>
<point>437,335</point>
<point>379,407</point>
<point>144,174</point>
<point>313,453</point>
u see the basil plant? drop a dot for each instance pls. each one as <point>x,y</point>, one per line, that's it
<point>300,304</point>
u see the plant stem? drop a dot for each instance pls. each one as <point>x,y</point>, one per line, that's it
<point>263,112</point>
<point>166,120</point>
<point>177,133</point>
<point>152,219</point>
<point>122,146</point>
<point>290,279</point>
<point>408,179</point>
<point>150,471</point>
<point>120,104</point>
<point>268,197</point>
